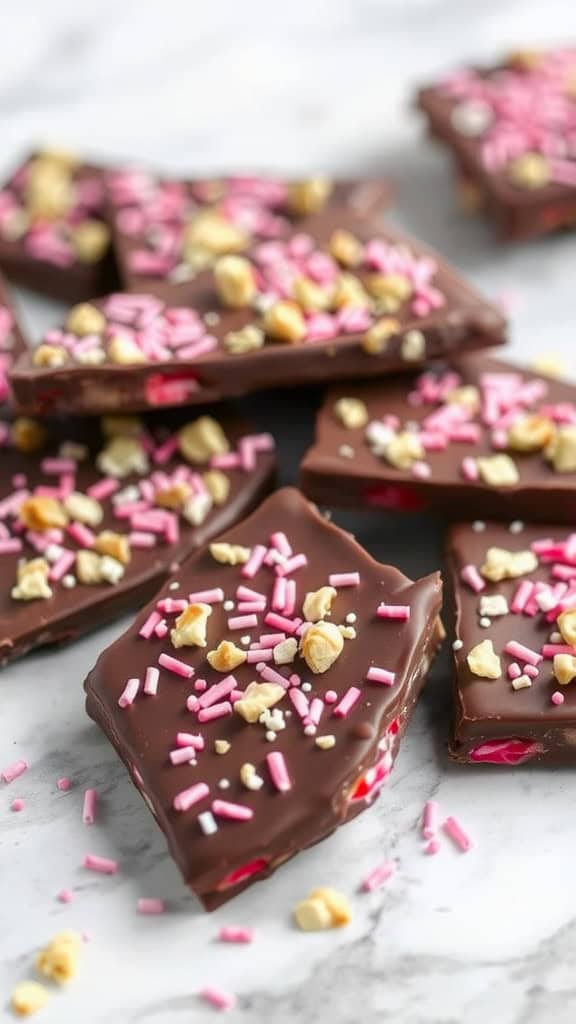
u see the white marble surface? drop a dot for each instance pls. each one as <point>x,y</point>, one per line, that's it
<point>487,936</point>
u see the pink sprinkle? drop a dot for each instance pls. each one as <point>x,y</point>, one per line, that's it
<point>200,685</point>
<point>218,998</point>
<point>315,713</point>
<point>330,696</point>
<point>299,702</point>
<point>270,675</point>
<point>279,594</point>
<point>347,702</point>
<point>172,606</point>
<point>17,805</point>
<point>89,807</point>
<point>291,565</point>
<point>254,563</point>
<point>161,629</point>
<point>214,596</point>
<point>278,771</point>
<point>523,653</point>
<point>432,848</point>
<point>281,622</point>
<point>13,771</point>
<point>378,876</point>
<point>380,675</point>
<point>514,670</point>
<point>235,812</point>
<point>247,594</point>
<point>151,681</point>
<point>393,611</point>
<point>64,784</point>
<point>56,466</point>
<point>430,819</point>
<point>257,654</point>
<point>470,469</point>
<point>271,639</point>
<point>176,666</point>
<point>550,650</point>
<point>82,535</point>
<point>231,933</point>
<point>217,692</point>
<point>457,834</point>
<point>10,546</point>
<point>102,865</point>
<point>188,797</point>
<point>242,622</point>
<point>190,739</point>
<point>149,625</point>
<point>557,697</point>
<point>139,539</point>
<point>522,596</point>
<point>344,579</point>
<point>531,671</point>
<point>146,905</point>
<point>216,711</point>
<point>192,702</point>
<point>62,565</point>
<point>183,755</point>
<point>472,577</point>
<point>128,695</point>
<point>65,896</point>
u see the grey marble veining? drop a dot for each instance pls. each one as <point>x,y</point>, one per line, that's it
<point>491,936</point>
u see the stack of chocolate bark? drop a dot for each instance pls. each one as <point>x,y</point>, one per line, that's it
<point>258,700</point>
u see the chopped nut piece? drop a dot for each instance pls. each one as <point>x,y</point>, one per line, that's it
<point>210,231</point>
<point>348,632</point>
<point>85,319</point>
<point>28,997</point>
<point>561,451</point>
<point>235,281</point>
<point>123,456</point>
<point>174,496</point>
<point>351,412</point>
<point>493,605</point>
<point>325,742</point>
<point>484,662</point>
<point>49,189</point>
<point>564,668</point>
<point>321,645</point>
<point>90,240</point>
<point>247,339</point>
<point>530,171</point>
<point>467,395</point>
<point>530,433</point>
<point>345,248</point>
<point>201,439</point>
<point>226,657</point>
<point>404,449</point>
<point>549,366</point>
<point>507,565</point>
<point>51,356</point>
<point>310,296</point>
<point>349,291</point>
<point>317,603</point>
<point>324,908</point>
<point>116,545</point>
<point>285,652</point>
<point>59,959</point>
<point>88,567</point>
<point>391,290</point>
<point>196,509</point>
<point>125,352</point>
<point>375,341</point>
<point>221,746</point>
<point>258,697</point>
<point>191,626</point>
<point>413,346</point>
<point>218,485</point>
<point>121,426</point>
<point>111,570</point>
<point>567,626</point>
<point>308,196</point>
<point>32,581</point>
<point>250,778</point>
<point>42,513</point>
<point>229,554</point>
<point>28,435</point>
<point>83,509</point>
<point>498,470</point>
<point>285,322</point>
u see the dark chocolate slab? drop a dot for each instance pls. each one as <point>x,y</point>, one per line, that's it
<point>342,469</point>
<point>510,129</point>
<point>43,252</point>
<point>327,786</point>
<point>150,217</point>
<point>439,315</point>
<point>494,723</point>
<point>12,342</point>
<point>69,612</point>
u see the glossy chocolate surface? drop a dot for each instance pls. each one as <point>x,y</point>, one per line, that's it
<point>12,341</point>
<point>464,322</point>
<point>493,723</point>
<point>353,475</point>
<point>25,625</point>
<point>328,786</point>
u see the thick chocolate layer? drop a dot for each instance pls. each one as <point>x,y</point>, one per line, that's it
<point>51,267</point>
<point>327,786</point>
<point>494,723</point>
<point>12,342</point>
<point>483,162</point>
<point>461,322</point>
<point>342,469</point>
<point>148,216</point>
<point>25,625</point>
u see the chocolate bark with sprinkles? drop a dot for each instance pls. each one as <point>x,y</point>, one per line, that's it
<point>54,238</point>
<point>277,699</point>
<point>94,516</point>
<point>341,298</point>
<point>479,437</point>
<point>511,131</point>
<point>12,343</point>
<point>167,231</point>
<point>514,643</point>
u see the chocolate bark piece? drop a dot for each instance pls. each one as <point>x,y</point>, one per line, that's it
<point>165,231</point>
<point>475,438</point>
<point>388,304</point>
<point>509,128</point>
<point>12,343</point>
<point>300,755</point>
<point>93,517</point>
<point>54,238</point>
<point>511,586</point>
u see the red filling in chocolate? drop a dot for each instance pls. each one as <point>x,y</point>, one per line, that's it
<point>241,874</point>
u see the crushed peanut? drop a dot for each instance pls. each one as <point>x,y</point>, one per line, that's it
<point>324,908</point>
<point>321,645</point>
<point>468,396</point>
<point>229,554</point>
<point>85,319</point>
<point>310,296</point>
<point>222,746</point>
<point>258,697</point>
<point>564,668</point>
<point>567,626</point>
<point>404,450</point>
<point>201,439</point>
<point>59,959</point>
<point>42,513</point>
<point>325,742</point>
<point>501,564</point>
<point>250,778</point>
<point>49,189</point>
<point>530,171</point>
<point>116,545</point>
<point>50,356</point>
<point>88,567</point>
<point>111,570</point>
<point>125,352</point>
<point>191,626</point>
<point>90,240</point>
<point>197,508</point>
<point>348,632</point>
<point>28,997</point>
<point>285,652</point>
<point>351,412</point>
<point>391,290</point>
<point>308,196</point>
<point>174,497</point>
<point>235,281</point>
<point>123,456</point>
<point>285,322</point>
<point>413,346</point>
<point>226,657</point>
<point>28,435</point>
<point>247,339</point>
<point>561,451</point>
<point>498,470</point>
<point>214,234</point>
<point>318,603</point>
<point>345,248</point>
<point>484,662</point>
<point>349,292</point>
<point>530,433</point>
<point>83,509</point>
<point>375,341</point>
<point>218,485</point>
<point>493,605</point>
<point>32,581</point>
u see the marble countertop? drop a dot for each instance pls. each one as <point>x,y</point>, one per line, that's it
<point>313,84</point>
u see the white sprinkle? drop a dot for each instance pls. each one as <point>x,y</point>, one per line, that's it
<point>306,687</point>
<point>517,526</point>
<point>555,637</point>
<point>351,617</point>
<point>69,581</point>
<point>522,683</point>
<point>224,784</point>
<point>207,823</point>
<point>52,552</point>
<point>245,640</point>
<point>174,585</point>
<point>228,606</point>
<point>270,736</point>
<point>478,526</point>
<point>346,451</point>
<point>309,730</point>
<point>457,645</point>
<point>485,622</point>
<point>211,319</point>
